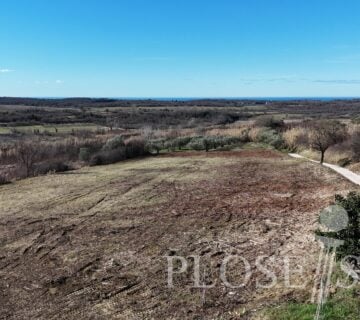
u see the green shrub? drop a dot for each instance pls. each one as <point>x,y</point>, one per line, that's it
<point>176,143</point>
<point>196,143</point>
<point>4,179</point>
<point>350,235</point>
<point>181,142</point>
<point>344,162</point>
<point>108,156</point>
<point>155,146</point>
<point>211,142</point>
<point>116,151</point>
<point>114,143</point>
<point>218,142</point>
<point>84,154</point>
<point>170,144</point>
<point>135,147</point>
<point>271,137</point>
<point>52,166</point>
<point>231,140</point>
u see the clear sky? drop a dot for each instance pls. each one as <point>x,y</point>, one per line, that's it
<point>180,48</point>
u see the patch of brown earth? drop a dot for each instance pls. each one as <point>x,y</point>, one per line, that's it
<point>105,257</point>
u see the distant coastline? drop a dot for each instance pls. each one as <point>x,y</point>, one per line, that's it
<point>200,98</point>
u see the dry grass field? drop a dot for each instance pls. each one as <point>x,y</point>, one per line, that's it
<point>90,244</point>
<point>63,128</point>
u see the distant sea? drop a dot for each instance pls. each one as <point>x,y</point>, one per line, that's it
<point>216,98</point>
<point>245,98</point>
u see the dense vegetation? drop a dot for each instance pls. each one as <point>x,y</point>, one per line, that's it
<point>137,113</point>
<point>147,127</point>
<point>351,234</point>
<point>127,117</point>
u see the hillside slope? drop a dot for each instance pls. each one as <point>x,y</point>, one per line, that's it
<point>90,244</point>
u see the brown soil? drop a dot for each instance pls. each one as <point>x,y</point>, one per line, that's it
<point>91,244</point>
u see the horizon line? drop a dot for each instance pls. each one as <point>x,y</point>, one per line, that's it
<point>182,97</point>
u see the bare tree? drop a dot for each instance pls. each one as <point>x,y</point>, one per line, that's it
<point>325,133</point>
<point>355,145</point>
<point>147,132</point>
<point>27,154</point>
<point>110,123</point>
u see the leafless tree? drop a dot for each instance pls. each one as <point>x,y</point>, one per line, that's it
<point>27,154</point>
<point>325,133</point>
<point>355,145</point>
<point>112,123</point>
<point>147,132</point>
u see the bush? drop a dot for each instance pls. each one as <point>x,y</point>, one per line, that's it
<point>196,143</point>
<point>49,167</point>
<point>270,137</point>
<point>181,142</point>
<point>170,144</point>
<point>223,119</point>
<point>209,143</point>
<point>212,142</point>
<point>108,156</point>
<point>155,146</point>
<point>228,141</point>
<point>114,143</point>
<point>351,234</point>
<point>176,143</point>
<point>97,159</point>
<point>135,147</point>
<point>28,153</point>
<point>244,135</point>
<point>295,138</point>
<point>4,179</point>
<point>254,134</point>
<point>269,122</point>
<point>216,142</point>
<point>131,148</point>
<point>84,154</point>
<point>344,162</point>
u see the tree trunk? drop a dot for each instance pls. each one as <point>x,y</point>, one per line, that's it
<point>322,157</point>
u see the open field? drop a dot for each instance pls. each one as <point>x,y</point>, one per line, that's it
<point>90,244</point>
<point>63,128</point>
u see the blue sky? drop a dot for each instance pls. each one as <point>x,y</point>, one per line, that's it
<point>179,48</point>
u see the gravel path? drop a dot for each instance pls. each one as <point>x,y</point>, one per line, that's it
<point>353,177</point>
